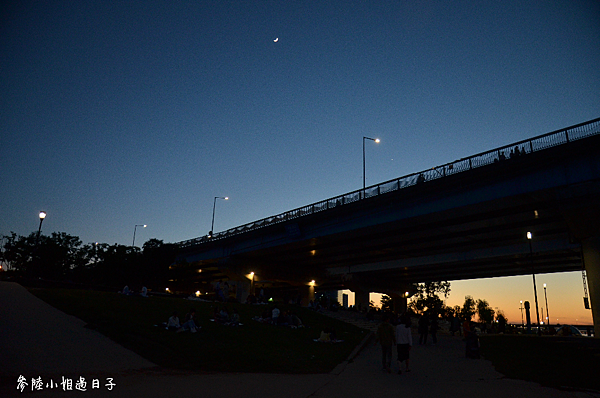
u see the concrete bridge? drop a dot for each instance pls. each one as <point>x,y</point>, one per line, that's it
<point>462,220</point>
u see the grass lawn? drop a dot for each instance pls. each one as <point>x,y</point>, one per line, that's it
<point>253,347</point>
<point>572,362</point>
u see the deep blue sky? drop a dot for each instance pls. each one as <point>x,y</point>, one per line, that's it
<point>141,112</point>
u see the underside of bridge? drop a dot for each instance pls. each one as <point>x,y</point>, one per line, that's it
<point>446,241</point>
<point>464,226</point>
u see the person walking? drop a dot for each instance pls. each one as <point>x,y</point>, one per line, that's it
<point>386,336</point>
<point>423,328</point>
<point>433,328</point>
<point>403,342</point>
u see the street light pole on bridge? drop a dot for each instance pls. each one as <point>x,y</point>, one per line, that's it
<point>377,141</point>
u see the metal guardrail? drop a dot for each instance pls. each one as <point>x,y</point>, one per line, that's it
<point>521,148</point>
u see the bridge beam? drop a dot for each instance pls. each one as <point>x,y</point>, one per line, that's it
<point>591,259</point>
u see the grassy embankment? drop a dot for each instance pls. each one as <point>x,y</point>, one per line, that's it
<point>253,347</point>
<point>560,362</point>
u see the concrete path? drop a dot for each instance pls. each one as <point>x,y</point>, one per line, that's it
<point>62,347</point>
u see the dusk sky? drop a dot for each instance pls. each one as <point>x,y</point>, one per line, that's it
<point>141,112</point>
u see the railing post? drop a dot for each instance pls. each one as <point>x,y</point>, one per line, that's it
<point>470,164</point>
<point>530,147</point>
<point>567,135</point>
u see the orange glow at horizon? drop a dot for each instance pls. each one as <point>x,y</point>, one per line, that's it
<point>564,292</point>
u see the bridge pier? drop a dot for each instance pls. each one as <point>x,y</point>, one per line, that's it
<point>400,304</point>
<point>361,299</point>
<point>591,259</point>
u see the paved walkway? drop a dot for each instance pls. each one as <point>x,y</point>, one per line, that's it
<point>40,341</point>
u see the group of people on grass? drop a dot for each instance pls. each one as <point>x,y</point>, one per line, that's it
<point>275,317</point>
<point>220,315</point>
<point>189,323</point>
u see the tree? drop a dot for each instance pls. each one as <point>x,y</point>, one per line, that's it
<point>501,317</point>
<point>485,313</point>
<point>468,309</point>
<point>427,299</point>
<point>387,303</point>
<point>49,257</point>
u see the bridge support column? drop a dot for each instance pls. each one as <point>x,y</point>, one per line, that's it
<point>242,290</point>
<point>307,294</point>
<point>400,304</point>
<point>361,299</point>
<point>591,259</point>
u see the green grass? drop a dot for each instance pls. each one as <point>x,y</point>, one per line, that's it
<point>253,347</point>
<point>571,362</point>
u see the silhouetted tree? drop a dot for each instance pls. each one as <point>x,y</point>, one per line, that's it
<point>387,303</point>
<point>468,309</point>
<point>485,313</point>
<point>427,297</point>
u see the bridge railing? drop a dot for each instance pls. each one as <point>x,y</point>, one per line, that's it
<point>505,153</point>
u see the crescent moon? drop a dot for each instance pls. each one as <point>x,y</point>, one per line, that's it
<point>276,40</point>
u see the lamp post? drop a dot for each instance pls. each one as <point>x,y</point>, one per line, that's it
<point>377,141</point>
<point>547,313</point>
<point>252,282</point>
<point>537,314</point>
<point>521,308</point>
<point>212,226</point>
<point>134,229</point>
<point>42,217</point>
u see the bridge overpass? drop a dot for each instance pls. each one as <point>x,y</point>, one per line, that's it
<point>463,220</point>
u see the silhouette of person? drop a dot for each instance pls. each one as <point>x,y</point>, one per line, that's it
<point>433,328</point>
<point>386,336</point>
<point>423,328</point>
<point>403,342</point>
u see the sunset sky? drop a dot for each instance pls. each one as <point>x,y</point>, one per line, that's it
<point>114,114</point>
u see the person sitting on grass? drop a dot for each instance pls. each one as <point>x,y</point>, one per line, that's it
<point>235,318</point>
<point>189,323</point>
<point>173,323</point>
<point>223,315</point>
<point>295,322</point>
<point>275,316</point>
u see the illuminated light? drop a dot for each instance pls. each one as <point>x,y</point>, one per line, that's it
<point>377,140</point>
<point>271,299</point>
<point>536,214</point>
<point>167,290</point>
<point>406,294</point>
<point>252,273</point>
<point>200,270</point>
<point>529,236</point>
<point>198,293</point>
<point>544,285</point>
<point>42,215</point>
<point>226,198</point>
<point>313,252</point>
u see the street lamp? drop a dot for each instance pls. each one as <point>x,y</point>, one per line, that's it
<point>212,226</point>
<point>42,216</point>
<point>537,314</point>
<point>547,313</point>
<point>377,141</point>
<point>521,308</point>
<point>134,228</point>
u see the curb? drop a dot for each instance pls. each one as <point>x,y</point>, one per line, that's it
<point>340,368</point>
